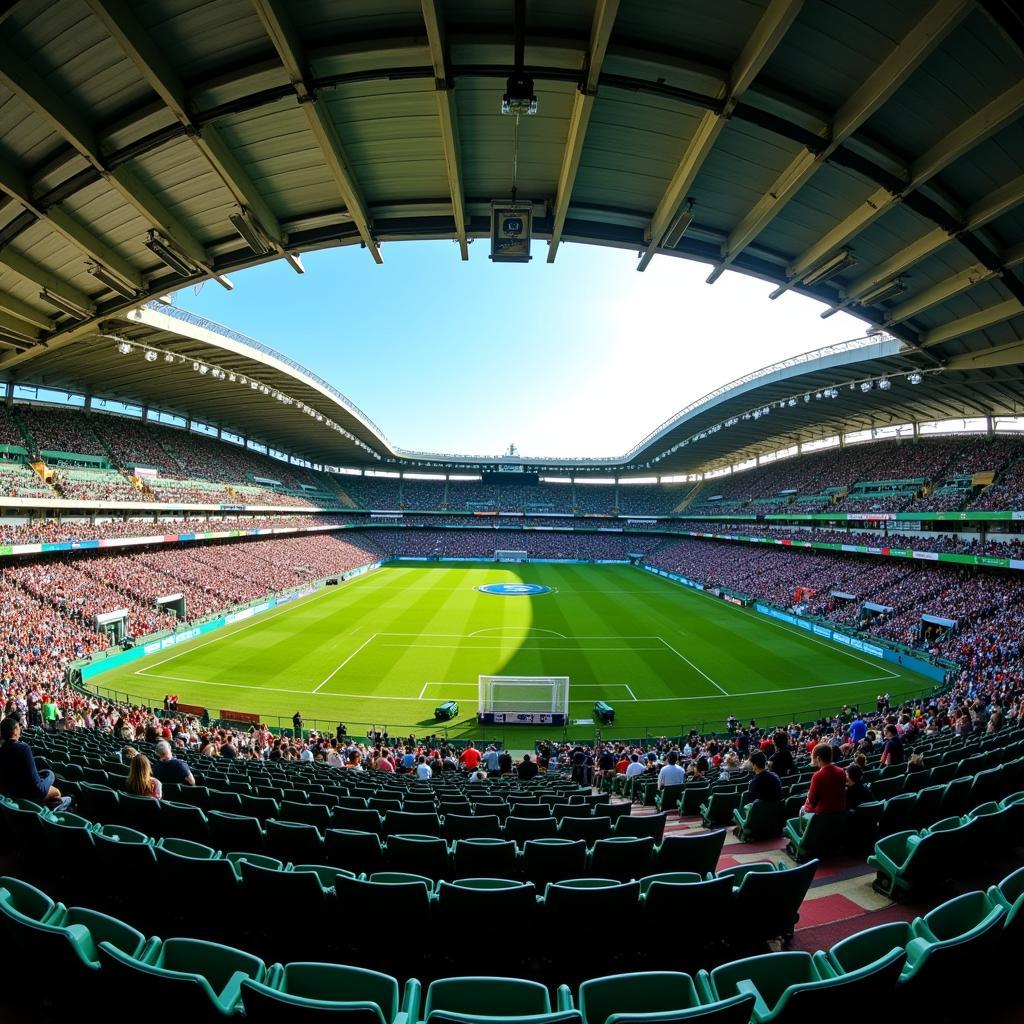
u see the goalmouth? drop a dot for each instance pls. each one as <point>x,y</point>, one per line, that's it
<point>508,555</point>
<point>523,700</point>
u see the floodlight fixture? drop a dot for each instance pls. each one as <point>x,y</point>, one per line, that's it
<point>836,265</point>
<point>108,280</point>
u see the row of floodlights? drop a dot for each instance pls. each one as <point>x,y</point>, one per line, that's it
<point>151,355</point>
<point>882,383</point>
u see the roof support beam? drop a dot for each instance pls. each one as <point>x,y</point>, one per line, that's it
<point>879,87</point>
<point>943,290</point>
<point>15,325</point>
<point>980,214</point>
<point>987,317</point>
<point>763,40</point>
<point>605,12</point>
<point>149,60</point>
<point>278,25</point>
<point>994,116</point>
<point>36,92</point>
<point>444,93</point>
<point>18,264</point>
<point>23,311</point>
<point>13,182</point>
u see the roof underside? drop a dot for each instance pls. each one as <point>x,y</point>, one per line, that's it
<point>866,153</point>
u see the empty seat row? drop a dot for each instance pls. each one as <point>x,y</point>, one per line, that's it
<point>904,967</point>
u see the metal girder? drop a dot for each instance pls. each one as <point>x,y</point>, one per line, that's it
<point>879,87</point>
<point>23,311</point>
<point>14,183</point>
<point>278,25</point>
<point>18,264</point>
<point>149,60</point>
<point>605,12</point>
<point>976,273</point>
<point>33,90</point>
<point>973,322</point>
<point>763,40</point>
<point>15,325</point>
<point>994,116</point>
<point>981,213</point>
<point>447,115</point>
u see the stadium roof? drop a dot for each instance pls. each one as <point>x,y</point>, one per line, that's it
<point>866,153</point>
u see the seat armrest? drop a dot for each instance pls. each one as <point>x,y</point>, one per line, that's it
<point>411,1000</point>
<point>824,967</point>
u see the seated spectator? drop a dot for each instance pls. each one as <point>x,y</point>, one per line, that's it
<point>170,769</point>
<point>892,752</point>
<point>18,774</point>
<point>141,781</point>
<point>915,763</point>
<point>671,774</point>
<point>857,790</point>
<point>781,762</point>
<point>765,785</point>
<point>827,794</point>
<point>635,766</point>
<point>527,768</point>
<point>470,757</point>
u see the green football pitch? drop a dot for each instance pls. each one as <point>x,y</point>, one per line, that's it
<point>386,648</point>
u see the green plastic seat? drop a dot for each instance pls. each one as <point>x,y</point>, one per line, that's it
<point>655,996</point>
<point>910,862</point>
<point>234,832</point>
<point>198,979</point>
<point>487,1000</point>
<point>622,857</point>
<point>759,820</point>
<point>187,848</point>
<point>795,987</point>
<point>668,799</point>
<point>698,852</point>
<point>1009,890</point>
<point>718,809</point>
<point>486,899</point>
<point>474,858</point>
<point>815,835</point>
<point>551,860</point>
<point>669,877</point>
<point>351,994</point>
<point>360,852</point>
<point>768,902</point>
<point>992,828</point>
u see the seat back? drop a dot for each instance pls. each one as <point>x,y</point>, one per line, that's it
<point>770,901</point>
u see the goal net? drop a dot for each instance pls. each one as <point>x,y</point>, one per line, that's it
<point>528,695</point>
<point>505,555</point>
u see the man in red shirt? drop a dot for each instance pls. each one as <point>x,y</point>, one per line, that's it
<point>470,758</point>
<point>827,794</point>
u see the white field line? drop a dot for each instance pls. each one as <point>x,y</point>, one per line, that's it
<point>804,634</point>
<point>694,667</point>
<point>527,629</point>
<point>639,700</point>
<point>466,636</point>
<point>257,621</point>
<point>327,679</point>
<point>517,647</point>
<point>630,690</point>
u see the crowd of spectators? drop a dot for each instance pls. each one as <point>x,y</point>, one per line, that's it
<point>19,481</point>
<point>10,432</point>
<point>60,430</point>
<point>483,543</point>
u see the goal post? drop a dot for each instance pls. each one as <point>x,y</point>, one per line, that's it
<point>509,555</point>
<point>524,700</point>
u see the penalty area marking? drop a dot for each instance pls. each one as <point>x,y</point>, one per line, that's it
<point>526,629</point>
<point>694,667</point>
<point>257,621</point>
<point>327,679</point>
<point>639,700</point>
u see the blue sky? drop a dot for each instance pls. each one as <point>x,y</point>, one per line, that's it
<point>578,358</point>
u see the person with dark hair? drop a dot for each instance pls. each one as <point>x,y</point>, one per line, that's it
<point>19,776</point>
<point>781,760</point>
<point>827,794</point>
<point>892,752</point>
<point>857,790</point>
<point>527,768</point>
<point>765,785</point>
<point>297,725</point>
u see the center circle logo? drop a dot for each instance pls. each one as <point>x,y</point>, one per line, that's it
<point>514,589</point>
